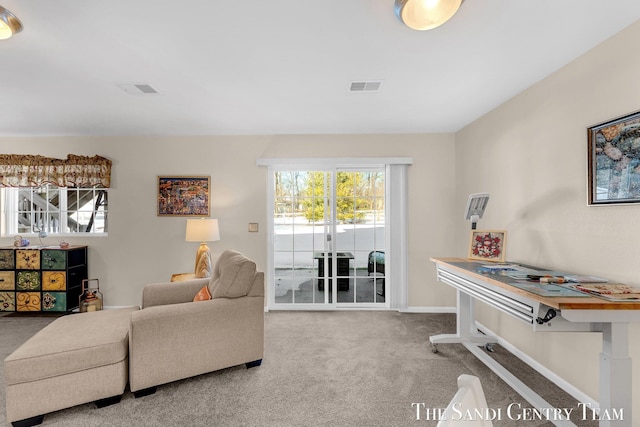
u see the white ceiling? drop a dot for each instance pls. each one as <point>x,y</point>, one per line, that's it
<point>281,66</point>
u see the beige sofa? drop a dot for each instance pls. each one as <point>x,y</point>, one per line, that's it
<point>75,359</point>
<point>173,338</point>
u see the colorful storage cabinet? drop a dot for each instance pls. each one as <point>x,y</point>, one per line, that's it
<point>42,279</point>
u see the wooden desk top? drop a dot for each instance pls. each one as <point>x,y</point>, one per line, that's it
<point>561,303</point>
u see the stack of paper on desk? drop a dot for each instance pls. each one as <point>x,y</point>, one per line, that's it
<point>610,291</point>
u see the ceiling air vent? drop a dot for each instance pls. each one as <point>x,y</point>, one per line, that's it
<point>138,89</point>
<point>364,86</point>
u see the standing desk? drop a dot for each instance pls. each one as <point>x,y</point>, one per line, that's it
<point>544,313</point>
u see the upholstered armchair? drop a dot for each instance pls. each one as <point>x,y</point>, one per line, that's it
<point>174,337</point>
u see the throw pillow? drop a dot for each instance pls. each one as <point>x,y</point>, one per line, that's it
<point>203,294</point>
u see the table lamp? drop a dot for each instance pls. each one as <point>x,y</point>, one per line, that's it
<point>203,230</point>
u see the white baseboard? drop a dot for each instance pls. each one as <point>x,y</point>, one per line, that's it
<point>428,310</point>
<point>541,369</point>
<point>320,307</point>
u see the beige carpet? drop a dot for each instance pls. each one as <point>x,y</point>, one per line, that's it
<point>359,368</point>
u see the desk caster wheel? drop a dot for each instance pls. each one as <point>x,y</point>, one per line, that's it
<point>434,348</point>
<point>490,347</point>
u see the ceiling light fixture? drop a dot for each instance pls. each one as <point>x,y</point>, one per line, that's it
<point>426,14</point>
<point>9,24</point>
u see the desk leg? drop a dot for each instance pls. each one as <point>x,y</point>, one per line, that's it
<point>615,376</point>
<point>466,332</point>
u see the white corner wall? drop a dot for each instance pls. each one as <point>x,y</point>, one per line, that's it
<point>531,155</point>
<point>142,248</point>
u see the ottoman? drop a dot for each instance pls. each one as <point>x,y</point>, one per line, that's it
<point>76,359</point>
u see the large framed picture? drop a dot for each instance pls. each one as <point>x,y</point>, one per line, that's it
<point>488,245</point>
<point>614,161</point>
<point>184,195</point>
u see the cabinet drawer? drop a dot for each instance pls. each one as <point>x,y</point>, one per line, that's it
<point>53,259</point>
<point>28,301</point>
<point>7,259</point>
<point>76,276</point>
<point>7,281</point>
<point>54,280</point>
<point>54,301</point>
<point>28,259</point>
<point>7,301</point>
<point>77,257</point>
<point>28,281</point>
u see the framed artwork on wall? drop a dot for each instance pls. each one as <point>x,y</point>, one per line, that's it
<point>614,161</point>
<point>488,245</point>
<point>184,195</point>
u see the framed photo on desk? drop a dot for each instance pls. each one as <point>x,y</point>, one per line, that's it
<point>488,245</point>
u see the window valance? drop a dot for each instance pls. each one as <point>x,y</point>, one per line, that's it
<point>18,170</point>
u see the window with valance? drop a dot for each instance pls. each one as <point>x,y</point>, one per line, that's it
<point>49,196</point>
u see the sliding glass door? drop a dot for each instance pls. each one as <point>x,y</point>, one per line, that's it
<point>329,238</point>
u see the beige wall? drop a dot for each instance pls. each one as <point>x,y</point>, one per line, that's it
<point>530,154</point>
<point>142,247</point>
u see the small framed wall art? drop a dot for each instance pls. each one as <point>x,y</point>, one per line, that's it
<point>488,245</point>
<point>184,195</point>
<point>614,161</point>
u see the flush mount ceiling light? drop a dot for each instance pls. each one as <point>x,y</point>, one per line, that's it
<point>9,24</point>
<point>426,14</point>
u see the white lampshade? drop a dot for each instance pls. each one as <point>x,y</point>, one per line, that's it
<point>426,14</point>
<point>202,230</point>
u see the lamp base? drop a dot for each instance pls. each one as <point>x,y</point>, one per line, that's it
<point>203,261</point>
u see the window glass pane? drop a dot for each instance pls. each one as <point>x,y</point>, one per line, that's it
<point>72,221</point>
<point>316,184</point>
<point>345,184</point>
<point>100,221</point>
<point>303,238</point>
<point>282,237</point>
<point>284,285</point>
<point>380,236</point>
<point>72,199</point>
<point>365,236</point>
<point>345,237</point>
